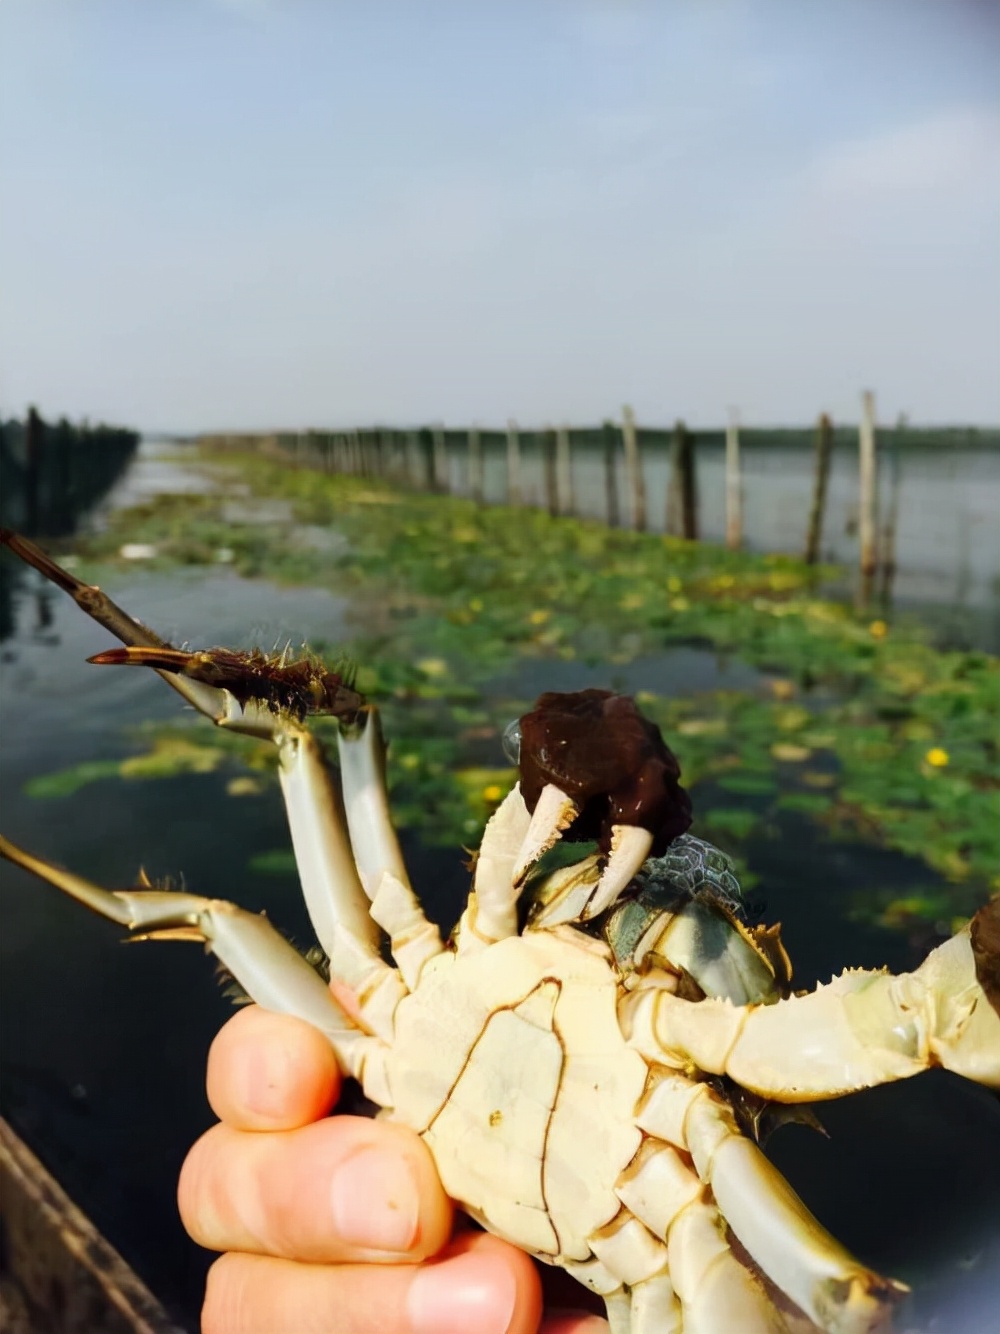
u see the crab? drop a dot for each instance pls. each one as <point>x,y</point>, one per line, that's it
<point>620,1002</point>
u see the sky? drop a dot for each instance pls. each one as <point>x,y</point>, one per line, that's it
<point>254,214</point>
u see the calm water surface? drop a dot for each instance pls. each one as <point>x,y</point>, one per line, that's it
<point>103,1048</point>
<point>947,540</point>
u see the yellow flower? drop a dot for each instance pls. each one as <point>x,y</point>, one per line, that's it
<point>475,604</point>
<point>878,629</point>
<point>433,667</point>
<point>674,585</point>
<point>492,793</point>
<point>679,604</point>
<point>783,750</point>
<point>937,757</point>
<point>539,616</point>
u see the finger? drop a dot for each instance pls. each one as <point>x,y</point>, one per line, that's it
<point>345,1189</point>
<point>270,1072</point>
<point>480,1285</point>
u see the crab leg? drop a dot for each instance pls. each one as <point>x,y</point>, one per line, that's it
<point>864,1028</point>
<point>667,1267</point>
<point>330,884</point>
<point>218,705</point>
<point>394,906</point>
<point>266,966</point>
<point>331,887</point>
<point>491,913</point>
<point>782,1236</point>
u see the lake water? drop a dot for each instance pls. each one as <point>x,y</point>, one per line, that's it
<point>102,1049</point>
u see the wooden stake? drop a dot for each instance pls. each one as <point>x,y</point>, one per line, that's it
<point>734,483</point>
<point>412,459</point>
<point>514,496</point>
<point>633,470</point>
<point>551,476</point>
<point>475,465</point>
<point>682,496</point>
<point>824,448</point>
<point>440,460</point>
<point>867,479</point>
<point>610,472</point>
<point>564,472</point>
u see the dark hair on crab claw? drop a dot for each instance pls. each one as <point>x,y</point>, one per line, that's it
<point>298,687</point>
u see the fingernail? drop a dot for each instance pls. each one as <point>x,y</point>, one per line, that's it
<point>462,1295</point>
<point>375,1201</point>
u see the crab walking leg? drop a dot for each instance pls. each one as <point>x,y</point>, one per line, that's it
<point>773,1224</point>
<point>685,1278</point>
<point>330,883</point>
<point>654,1307</point>
<point>394,906</point>
<point>491,914</point>
<point>334,894</point>
<point>361,750</point>
<point>862,1029</point>
<point>779,1232</point>
<point>711,1289</point>
<point>266,966</point>
<point>716,1292</point>
<point>216,704</point>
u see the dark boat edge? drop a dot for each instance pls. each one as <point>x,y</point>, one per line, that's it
<point>58,1274</point>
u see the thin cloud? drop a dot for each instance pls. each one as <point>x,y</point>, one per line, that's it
<point>949,150</point>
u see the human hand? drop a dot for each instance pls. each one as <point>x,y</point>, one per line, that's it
<point>334,1225</point>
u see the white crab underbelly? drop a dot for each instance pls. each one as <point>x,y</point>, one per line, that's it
<point>510,1063</point>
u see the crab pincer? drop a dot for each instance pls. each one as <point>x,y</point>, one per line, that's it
<point>594,769</point>
<point>297,687</point>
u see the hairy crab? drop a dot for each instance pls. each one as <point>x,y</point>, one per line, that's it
<point>619,1003</point>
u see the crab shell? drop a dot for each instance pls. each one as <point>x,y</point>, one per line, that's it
<point>508,1063</point>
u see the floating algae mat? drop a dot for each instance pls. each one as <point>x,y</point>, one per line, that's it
<point>787,711</point>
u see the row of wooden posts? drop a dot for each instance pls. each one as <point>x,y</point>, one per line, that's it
<point>682,503</point>
<point>421,459</point>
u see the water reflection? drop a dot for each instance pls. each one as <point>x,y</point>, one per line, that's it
<point>53,473</point>
<point>51,477</point>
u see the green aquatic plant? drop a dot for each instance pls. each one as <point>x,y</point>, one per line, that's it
<point>861,727</point>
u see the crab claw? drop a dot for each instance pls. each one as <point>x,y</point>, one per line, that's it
<point>593,768</point>
<point>296,687</point>
<point>553,814</point>
<point>630,846</point>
